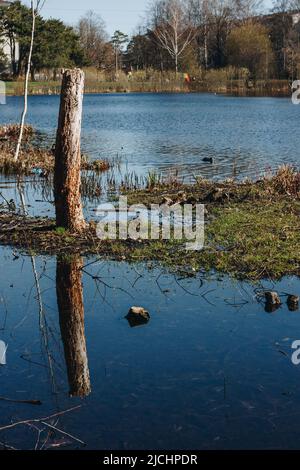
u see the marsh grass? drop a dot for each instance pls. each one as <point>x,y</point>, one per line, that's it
<point>228,80</point>
<point>252,227</point>
<point>34,157</point>
<point>11,132</point>
<point>252,230</point>
<point>244,240</point>
<point>255,240</point>
<point>284,182</point>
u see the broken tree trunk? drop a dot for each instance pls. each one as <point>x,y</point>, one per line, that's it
<point>67,174</point>
<point>71,318</point>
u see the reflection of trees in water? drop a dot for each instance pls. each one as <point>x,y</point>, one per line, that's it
<point>71,317</point>
<point>50,433</point>
<point>71,313</point>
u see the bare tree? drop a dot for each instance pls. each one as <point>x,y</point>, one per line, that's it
<point>214,20</point>
<point>93,37</point>
<point>284,6</point>
<point>118,40</point>
<point>172,27</point>
<point>36,6</point>
<point>200,15</point>
<point>245,9</point>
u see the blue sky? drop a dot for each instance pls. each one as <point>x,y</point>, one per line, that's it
<point>118,14</point>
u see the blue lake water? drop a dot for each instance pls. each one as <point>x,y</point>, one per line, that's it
<point>211,369</point>
<point>174,132</point>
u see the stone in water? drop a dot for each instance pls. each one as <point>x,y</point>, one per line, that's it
<point>293,302</point>
<point>137,316</point>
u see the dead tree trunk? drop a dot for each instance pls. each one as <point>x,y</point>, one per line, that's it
<point>71,318</point>
<point>67,176</point>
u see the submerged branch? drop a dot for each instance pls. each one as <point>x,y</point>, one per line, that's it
<point>38,420</point>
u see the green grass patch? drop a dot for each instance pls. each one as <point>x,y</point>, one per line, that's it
<point>255,240</point>
<point>252,231</point>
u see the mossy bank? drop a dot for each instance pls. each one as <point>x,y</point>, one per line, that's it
<point>252,230</point>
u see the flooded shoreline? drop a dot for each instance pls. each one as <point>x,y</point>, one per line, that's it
<point>248,229</point>
<point>211,366</point>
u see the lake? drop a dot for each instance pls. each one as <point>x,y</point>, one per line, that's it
<point>212,368</point>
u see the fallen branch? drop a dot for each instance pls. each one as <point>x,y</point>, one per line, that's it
<point>38,420</point>
<point>63,432</point>
<point>26,402</point>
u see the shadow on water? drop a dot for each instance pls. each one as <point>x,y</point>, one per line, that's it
<point>211,369</point>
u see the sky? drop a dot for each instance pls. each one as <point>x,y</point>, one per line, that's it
<point>124,15</point>
<point>117,14</point>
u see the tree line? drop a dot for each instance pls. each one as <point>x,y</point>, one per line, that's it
<point>176,35</point>
<point>210,34</point>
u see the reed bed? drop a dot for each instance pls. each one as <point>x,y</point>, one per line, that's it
<point>34,159</point>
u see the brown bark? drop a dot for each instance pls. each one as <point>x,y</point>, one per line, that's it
<point>71,317</point>
<point>67,175</point>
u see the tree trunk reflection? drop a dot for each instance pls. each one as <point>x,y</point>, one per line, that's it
<point>71,316</point>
